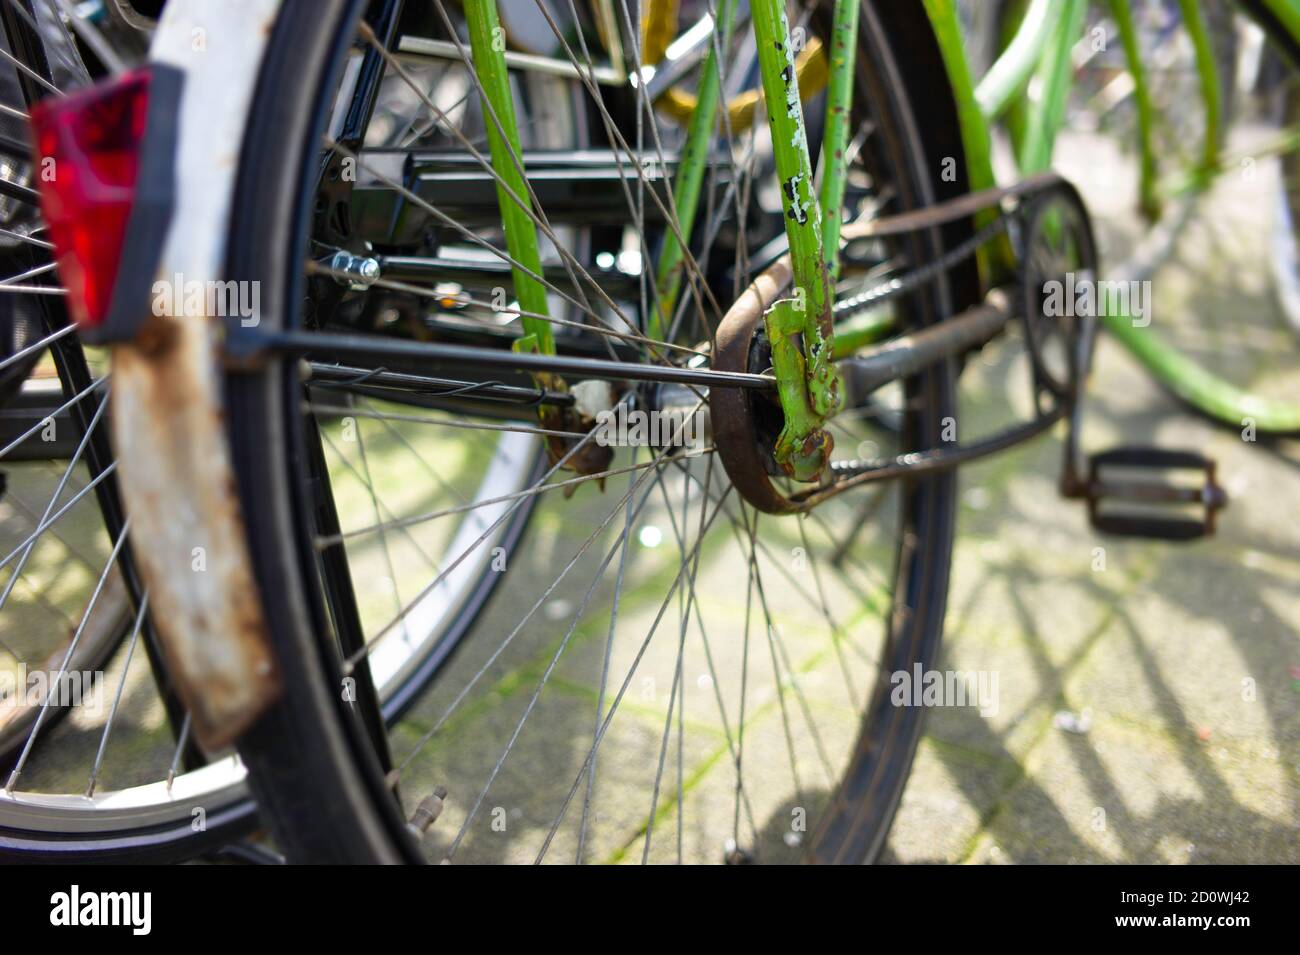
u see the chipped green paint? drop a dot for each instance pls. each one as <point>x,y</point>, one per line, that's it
<point>799,327</point>
<point>804,447</point>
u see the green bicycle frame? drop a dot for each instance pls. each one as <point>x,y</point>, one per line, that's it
<point>690,177</point>
<point>487,45</point>
<point>1042,47</point>
<point>799,328</point>
<point>1148,193</point>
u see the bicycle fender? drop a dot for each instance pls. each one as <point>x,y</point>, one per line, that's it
<point>167,414</point>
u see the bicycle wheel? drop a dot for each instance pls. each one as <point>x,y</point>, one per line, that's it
<point>802,591</point>
<point>94,746</point>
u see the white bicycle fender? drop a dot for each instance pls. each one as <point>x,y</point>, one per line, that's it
<point>174,464</point>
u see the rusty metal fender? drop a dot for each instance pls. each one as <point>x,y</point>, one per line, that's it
<point>168,423</point>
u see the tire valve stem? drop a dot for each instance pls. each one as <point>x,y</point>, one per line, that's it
<point>428,811</point>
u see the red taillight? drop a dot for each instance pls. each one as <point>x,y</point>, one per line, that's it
<point>87,192</point>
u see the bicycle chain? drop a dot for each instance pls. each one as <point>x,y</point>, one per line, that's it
<point>902,285</point>
<point>1025,191</point>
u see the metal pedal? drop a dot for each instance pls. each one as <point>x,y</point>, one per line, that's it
<point>1146,494</point>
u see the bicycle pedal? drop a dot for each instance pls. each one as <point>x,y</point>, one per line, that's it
<point>1131,490</point>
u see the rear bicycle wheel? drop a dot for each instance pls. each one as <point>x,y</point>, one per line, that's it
<point>553,659</point>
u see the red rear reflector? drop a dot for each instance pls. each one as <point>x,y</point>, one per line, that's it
<point>87,193</point>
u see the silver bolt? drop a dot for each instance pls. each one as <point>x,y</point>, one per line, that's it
<point>357,272</point>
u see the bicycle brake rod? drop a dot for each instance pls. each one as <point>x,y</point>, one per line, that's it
<point>249,344</point>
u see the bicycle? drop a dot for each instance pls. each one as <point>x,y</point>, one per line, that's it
<point>385,188</point>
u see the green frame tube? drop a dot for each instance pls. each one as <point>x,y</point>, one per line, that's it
<point>1047,115</point>
<point>1194,384</point>
<point>1010,73</point>
<point>997,261</point>
<point>799,328</point>
<point>690,176</point>
<point>803,224</point>
<point>975,133</point>
<point>1207,71</point>
<point>1200,388</point>
<point>1149,199</point>
<point>1287,13</point>
<point>486,38</point>
<point>835,140</point>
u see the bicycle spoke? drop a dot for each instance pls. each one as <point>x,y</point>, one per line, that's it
<point>19,9</point>
<point>618,699</point>
<point>21,237</point>
<point>505,515</point>
<point>732,747</point>
<point>441,422</point>
<point>670,210</point>
<point>368,480</point>
<point>836,634</point>
<point>440,213</point>
<point>777,646</point>
<point>48,522</point>
<point>605,659</point>
<point>582,549</point>
<point>63,667</point>
<point>182,741</point>
<point>28,71</point>
<point>89,34</point>
<point>29,274</point>
<point>117,697</point>
<point>674,697</point>
<point>30,290</point>
<point>466,233</point>
<point>326,540</point>
<point>438,478</point>
<point>54,499</point>
<point>37,346</point>
<point>555,657</point>
<point>315,268</point>
<point>357,474</point>
<point>532,209</point>
<point>79,396</point>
